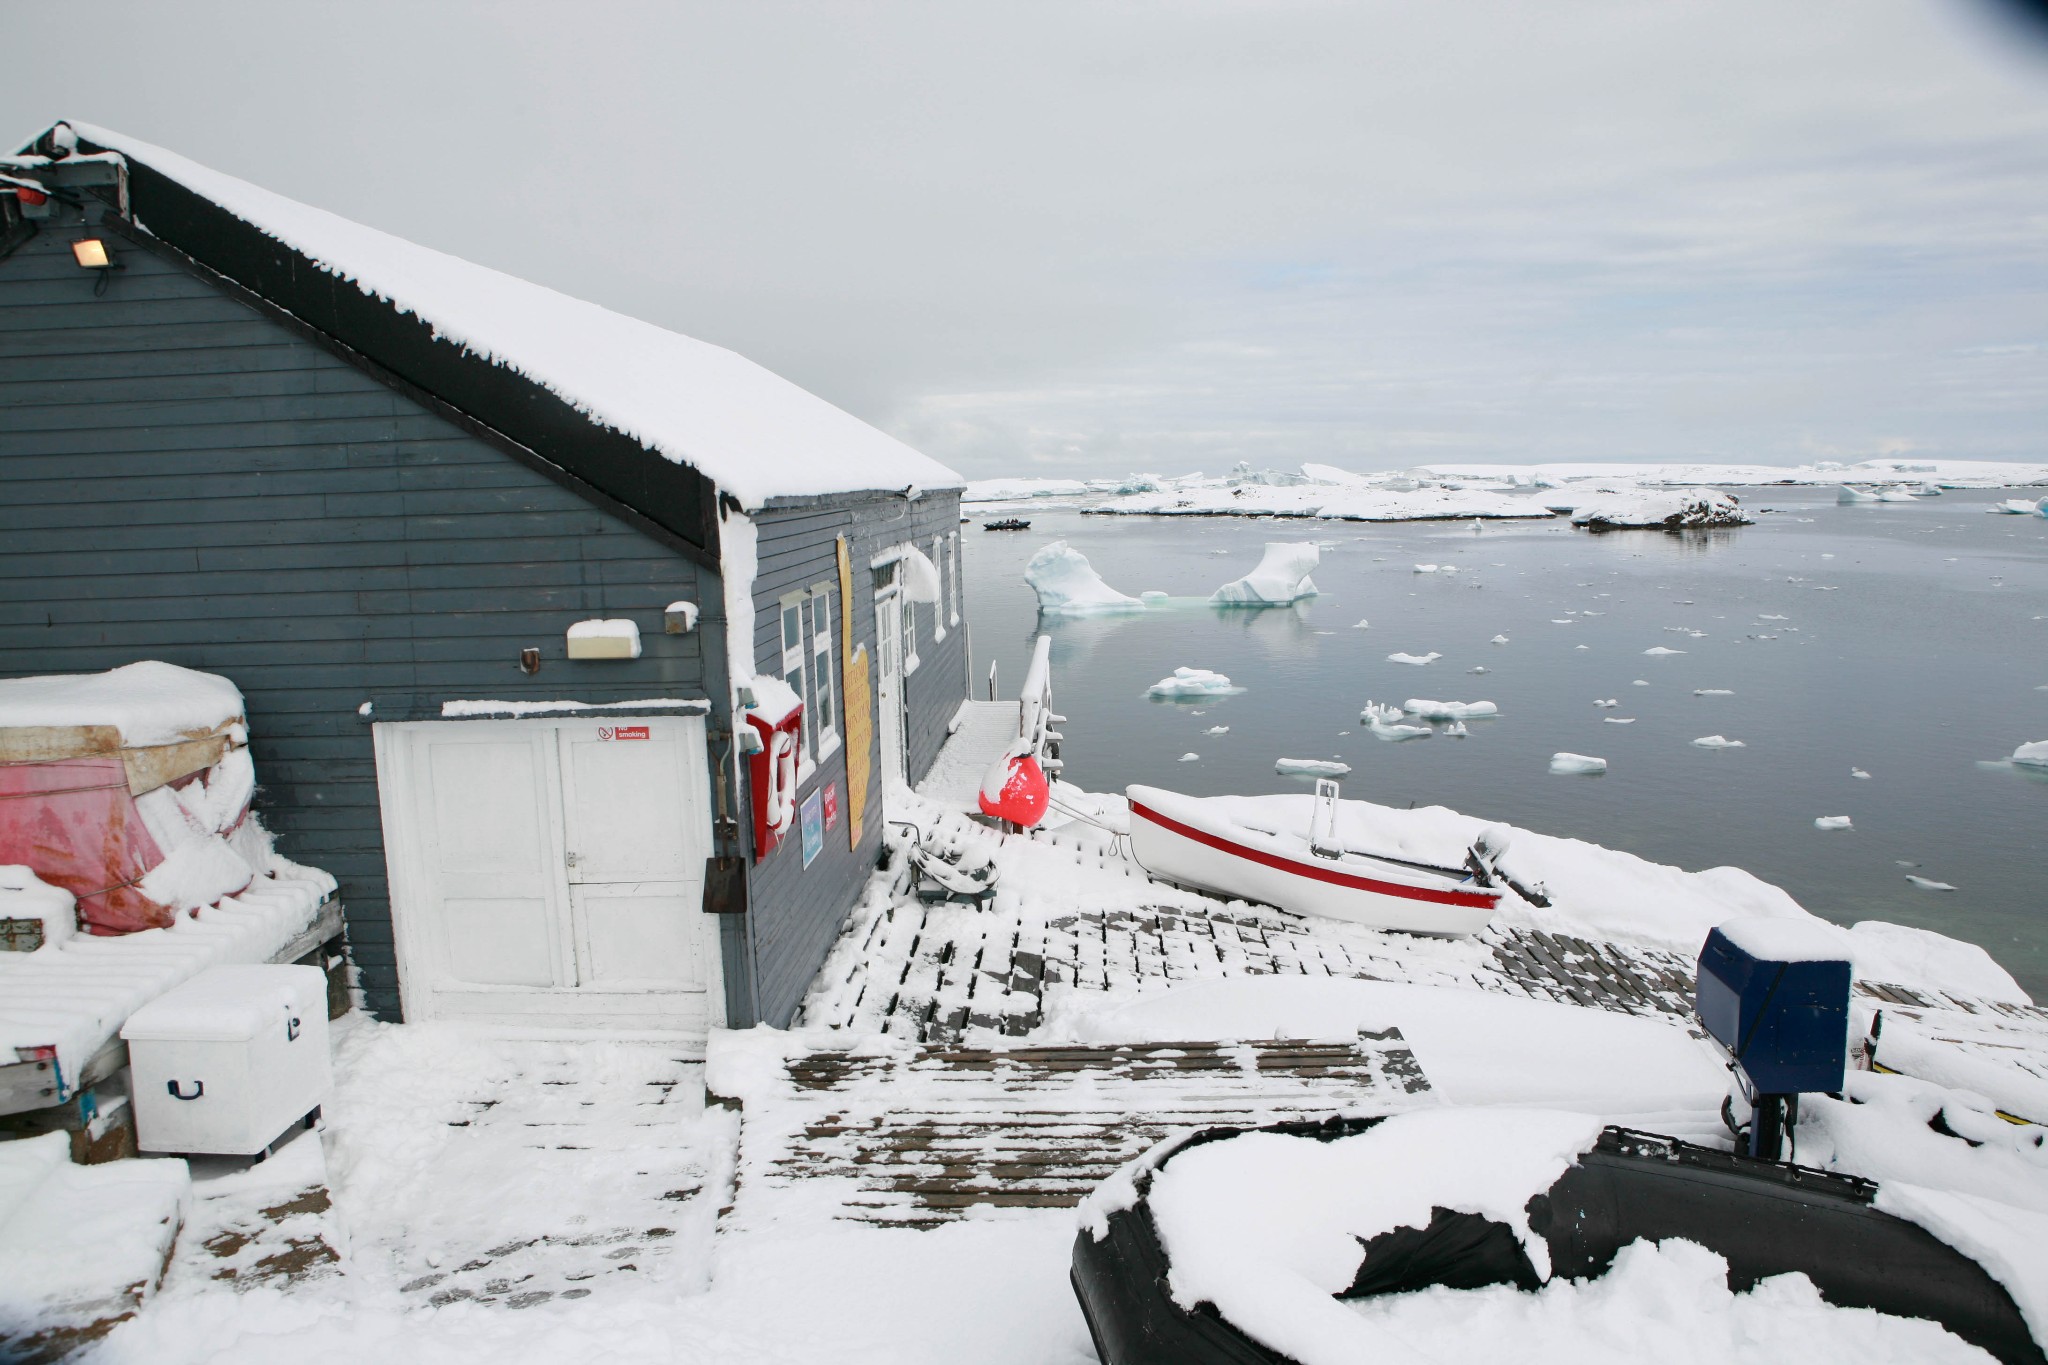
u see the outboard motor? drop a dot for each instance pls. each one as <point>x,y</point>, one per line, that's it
<point>1775,994</point>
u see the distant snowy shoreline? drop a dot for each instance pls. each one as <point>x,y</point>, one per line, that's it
<point>1616,495</point>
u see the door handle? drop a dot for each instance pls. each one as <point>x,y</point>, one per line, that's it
<point>198,1089</point>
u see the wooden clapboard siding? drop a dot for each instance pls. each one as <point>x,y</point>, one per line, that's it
<point>187,477</point>
<point>797,911</point>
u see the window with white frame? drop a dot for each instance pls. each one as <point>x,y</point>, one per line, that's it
<point>824,669</point>
<point>939,607</point>
<point>953,555</point>
<point>909,646</point>
<point>793,664</point>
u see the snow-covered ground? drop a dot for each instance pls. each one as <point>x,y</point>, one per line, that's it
<point>506,1201</point>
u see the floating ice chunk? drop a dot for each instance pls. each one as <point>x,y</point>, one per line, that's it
<point>2034,755</point>
<point>1858,772</point>
<point>1190,758</point>
<point>1500,639</point>
<point>1577,763</point>
<point>1656,651</point>
<point>1282,576</point>
<point>1849,497</point>
<point>2017,507</point>
<point>1217,730</point>
<point>1640,682</point>
<point>1417,659</point>
<point>1713,691</point>
<point>1833,822</point>
<point>1193,682</point>
<point>1067,585</point>
<point>1611,701</point>
<point>1773,618</point>
<point>1479,668</point>
<point>1448,710</point>
<point>1456,730</point>
<point>1582,646</point>
<point>1311,767</point>
<point>1560,621</point>
<point>1928,883</point>
<point>1717,742</point>
<point>1425,568</point>
<point>1152,595</point>
<point>1393,731</point>
<point>1619,720</point>
<point>1670,509</point>
<point>1361,625</point>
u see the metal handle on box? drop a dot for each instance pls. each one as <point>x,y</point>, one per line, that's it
<point>198,1089</point>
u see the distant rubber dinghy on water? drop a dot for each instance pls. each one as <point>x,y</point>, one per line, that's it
<point>1192,841</point>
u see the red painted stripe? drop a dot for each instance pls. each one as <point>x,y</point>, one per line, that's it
<point>1476,900</point>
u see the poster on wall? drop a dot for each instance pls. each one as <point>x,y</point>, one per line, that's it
<point>813,819</point>
<point>831,790</point>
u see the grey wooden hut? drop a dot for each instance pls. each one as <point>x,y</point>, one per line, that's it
<point>497,571</point>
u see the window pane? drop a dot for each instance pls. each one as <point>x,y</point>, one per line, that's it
<point>792,627</point>
<point>823,608</point>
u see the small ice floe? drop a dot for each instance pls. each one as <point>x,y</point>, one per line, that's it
<point>1282,577</point>
<point>1456,730</point>
<point>1190,758</point>
<point>1560,621</point>
<point>1152,595</point>
<point>1858,772</point>
<point>1479,668</point>
<point>1425,568</point>
<point>1592,613</point>
<point>1577,763</point>
<point>2019,507</point>
<point>1928,883</point>
<point>1713,691</point>
<point>1499,640</point>
<point>1609,701</point>
<point>1311,767</point>
<point>1665,509</point>
<point>1832,822</point>
<point>1193,682</point>
<point>1417,659</point>
<point>1448,710</point>
<point>1217,730</point>
<point>1619,720</point>
<point>2034,755</point>
<point>1849,497</point>
<point>1656,651</point>
<point>1640,682</point>
<point>1361,625</point>
<point>1067,585</point>
<point>1717,742</point>
<point>1768,617</point>
<point>1582,646</point>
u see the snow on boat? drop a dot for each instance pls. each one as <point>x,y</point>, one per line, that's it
<point>1190,840</point>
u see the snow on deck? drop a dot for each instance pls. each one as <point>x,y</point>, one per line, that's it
<point>982,730</point>
<point>907,1136</point>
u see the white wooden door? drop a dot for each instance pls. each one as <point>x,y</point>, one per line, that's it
<point>549,872</point>
<point>889,687</point>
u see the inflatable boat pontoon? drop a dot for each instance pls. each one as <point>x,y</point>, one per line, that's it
<point>1765,1217</point>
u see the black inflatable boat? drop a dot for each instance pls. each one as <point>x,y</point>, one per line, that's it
<point>1765,1217</point>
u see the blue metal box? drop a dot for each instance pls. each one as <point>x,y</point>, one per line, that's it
<point>1783,1014</point>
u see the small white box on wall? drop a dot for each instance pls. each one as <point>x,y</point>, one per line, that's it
<point>601,639</point>
<point>227,1062</point>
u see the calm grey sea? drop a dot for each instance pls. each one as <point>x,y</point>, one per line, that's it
<point>1909,641</point>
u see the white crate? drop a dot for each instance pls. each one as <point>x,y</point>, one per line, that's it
<point>225,1063</point>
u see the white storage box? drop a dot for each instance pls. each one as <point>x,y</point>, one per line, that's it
<point>225,1063</point>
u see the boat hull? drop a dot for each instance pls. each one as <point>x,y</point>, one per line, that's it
<point>1173,841</point>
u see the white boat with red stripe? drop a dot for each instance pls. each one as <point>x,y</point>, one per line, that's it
<point>1193,841</point>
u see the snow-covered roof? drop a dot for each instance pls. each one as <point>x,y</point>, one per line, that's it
<point>752,432</point>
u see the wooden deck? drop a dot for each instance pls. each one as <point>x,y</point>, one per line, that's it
<point>918,1136</point>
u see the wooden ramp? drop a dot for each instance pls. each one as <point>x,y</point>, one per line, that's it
<point>916,1137</point>
<point>980,731</point>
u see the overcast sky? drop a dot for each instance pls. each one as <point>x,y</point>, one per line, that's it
<point>1093,238</point>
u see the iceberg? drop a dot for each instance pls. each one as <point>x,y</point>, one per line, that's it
<point>2034,755</point>
<point>1657,651</point>
<point>1664,509</point>
<point>1282,577</point>
<point>1311,767</point>
<point>1500,640</point>
<point>1417,659</point>
<point>1192,682</point>
<point>1832,822</point>
<point>1716,742</point>
<point>1067,585</point>
<point>1849,497</point>
<point>1448,710</point>
<point>1577,763</point>
<point>2020,507</point>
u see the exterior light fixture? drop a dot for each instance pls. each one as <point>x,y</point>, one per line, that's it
<point>91,253</point>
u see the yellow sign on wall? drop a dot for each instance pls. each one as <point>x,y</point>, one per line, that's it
<point>855,692</point>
